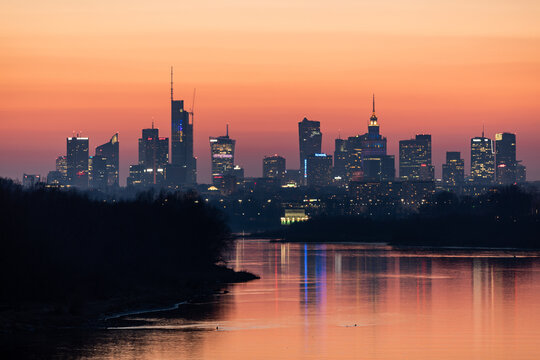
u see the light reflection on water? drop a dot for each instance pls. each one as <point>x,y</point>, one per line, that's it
<point>323,301</point>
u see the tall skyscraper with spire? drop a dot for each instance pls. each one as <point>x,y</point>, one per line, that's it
<point>369,148</point>
<point>183,169</point>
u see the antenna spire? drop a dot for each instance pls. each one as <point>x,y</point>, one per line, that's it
<point>227,130</point>
<point>483,125</point>
<point>171,83</point>
<point>152,122</point>
<point>373,103</point>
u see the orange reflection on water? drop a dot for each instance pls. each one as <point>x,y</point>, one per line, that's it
<point>351,301</point>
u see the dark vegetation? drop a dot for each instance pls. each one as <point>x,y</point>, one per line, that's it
<point>65,249</point>
<point>508,217</point>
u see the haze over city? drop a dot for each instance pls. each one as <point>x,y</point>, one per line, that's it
<point>99,68</point>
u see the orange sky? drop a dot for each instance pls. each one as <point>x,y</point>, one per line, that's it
<point>441,67</point>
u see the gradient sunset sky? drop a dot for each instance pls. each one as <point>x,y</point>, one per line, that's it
<point>438,67</point>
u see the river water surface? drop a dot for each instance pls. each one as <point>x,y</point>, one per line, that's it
<point>344,301</point>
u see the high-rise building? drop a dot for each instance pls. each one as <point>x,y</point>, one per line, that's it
<point>77,161</point>
<point>109,152</point>
<point>340,159</point>
<point>505,158</point>
<point>153,158</point>
<point>453,171</point>
<point>183,169</point>
<point>319,170</point>
<point>310,140</point>
<point>222,152</point>
<point>61,167</point>
<point>482,161</point>
<point>274,167</point>
<point>97,172</point>
<point>415,159</point>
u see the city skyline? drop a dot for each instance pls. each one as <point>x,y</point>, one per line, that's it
<point>370,140</point>
<point>442,70</point>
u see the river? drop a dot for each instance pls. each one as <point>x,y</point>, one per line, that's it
<point>342,301</point>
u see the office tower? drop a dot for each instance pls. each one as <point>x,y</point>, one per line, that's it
<point>453,171</point>
<point>61,167</point>
<point>222,152</point>
<point>340,159</point>
<point>482,161</point>
<point>109,154</point>
<point>379,168</point>
<point>153,158</point>
<point>77,161</point>
<point>415,159</point>
<point>274,167</point>
<point>29,181</point>
<point>319,170</point>
<point>183,169</point>
<point>238,173</point>
<point>505,158</point>
<point>97,172</point>
<point>293,177</point>
<point>310,140</point>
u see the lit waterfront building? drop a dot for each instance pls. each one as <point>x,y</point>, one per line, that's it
<point>222,152</point>
<point>77,161</point>
<point>310,141</point>
<point>274,167</point>
<point>505,158</point>
<point>453,171</point>
<point>319,170</point>
<point>294,215</point>
<point>415,159</point>
<point>183,167</point>
<point>482,161</point>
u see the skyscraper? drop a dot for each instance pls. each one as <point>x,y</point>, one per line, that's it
<point>77,161</point>
<point>310,140</point>
<point>222,152</point>
<point>153,158</point>
<point>505,158</point>
<point>482,160</point>
<point>319,170</point>
<point>183,168</point>
<point>453,171</point>
<point>415,159</point>
<point>274,167</point>
<point>340,159</point>
<point>110,152</point>
<point>371,145</point>
<point>379,168</point>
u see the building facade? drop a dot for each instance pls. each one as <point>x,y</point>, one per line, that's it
<point>222,153</point>
<point>482,161</point>
<point>505,158</point>
<point>77,161</point>
<point>274,167</point>
<point>453,171</point>
<point>415,159</point>
<point>319,170</point>
<point>310,140</point>
<point>110,153</point>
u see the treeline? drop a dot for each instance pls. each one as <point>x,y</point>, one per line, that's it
<point>57,245</point>
<point>507,217</point>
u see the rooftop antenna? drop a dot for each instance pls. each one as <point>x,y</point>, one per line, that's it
<point>227,127</point>
<point>373,103</point>
<point>152,122</point>
<point>483,125</point>
<point>171,83</point>
<point>192,106</point>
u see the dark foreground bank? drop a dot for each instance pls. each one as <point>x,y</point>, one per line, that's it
<point>66,259</point>
<point>506,218</point>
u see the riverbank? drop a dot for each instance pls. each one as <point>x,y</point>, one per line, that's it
<point>31,316</point>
